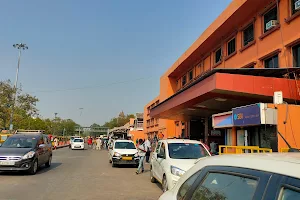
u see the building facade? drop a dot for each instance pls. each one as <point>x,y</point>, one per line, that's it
<point>161,127</point>
<point>249,52</point>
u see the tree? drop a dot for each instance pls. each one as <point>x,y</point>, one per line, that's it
<point>121,120</point>
<point>26,114</point>
<point>25,105</point>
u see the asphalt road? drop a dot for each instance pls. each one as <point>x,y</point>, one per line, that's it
<point>79,175</point>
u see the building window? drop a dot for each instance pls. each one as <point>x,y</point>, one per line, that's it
<point>183,81</point>
<point>231,47</point>
<point>248,34</point>
<point>191,75</point>
<point>295,6</point>
<point>296,55</point>
<point>218,55</point>
<point>272,62</point>
<point>270,19</point>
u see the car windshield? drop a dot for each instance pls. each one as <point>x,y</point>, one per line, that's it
<point>78,140</point>
<point>186,151</point>
<point>124,145</point>
<point>20,142</point>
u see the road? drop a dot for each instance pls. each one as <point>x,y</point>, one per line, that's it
<point>79,175</point>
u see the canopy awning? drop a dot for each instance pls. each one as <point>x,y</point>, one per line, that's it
<point>221,90</point>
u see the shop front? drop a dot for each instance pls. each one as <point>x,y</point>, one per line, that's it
<point>256,125</point>
<point>222,124</point>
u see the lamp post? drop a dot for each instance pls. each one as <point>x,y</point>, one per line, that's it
<point>54,127</point>
<point>20,47</point>
<point>79,116</point>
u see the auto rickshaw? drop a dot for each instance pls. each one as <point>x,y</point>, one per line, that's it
<point>3,137</point>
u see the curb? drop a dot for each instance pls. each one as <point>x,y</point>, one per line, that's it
<point>59,147</point>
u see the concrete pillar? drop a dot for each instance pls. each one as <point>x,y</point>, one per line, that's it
<point>233,136</point>
<point>187,128</point>
<point>206,130</point>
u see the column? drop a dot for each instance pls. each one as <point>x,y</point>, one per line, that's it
<point>233,136</point>
<point>206,130</point>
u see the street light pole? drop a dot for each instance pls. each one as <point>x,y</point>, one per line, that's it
<point>79,116</point>
<point>20,47</point>
<point>54,127</point>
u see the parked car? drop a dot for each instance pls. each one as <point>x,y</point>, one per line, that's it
<point>240,176</point>
<point>25,152</point>
<point>77,143</point>
<point>172,158</point>
<point>123,152</point>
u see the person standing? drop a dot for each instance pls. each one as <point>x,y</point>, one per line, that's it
<point>213,147</point>
<point>55,143</point>
<point>94,143</point>
<point>90,142</point>
<point>148,148</point>
<point>142,153</point>
<point>98,144</point>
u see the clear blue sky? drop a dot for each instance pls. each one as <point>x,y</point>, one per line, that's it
<point>120,47</point>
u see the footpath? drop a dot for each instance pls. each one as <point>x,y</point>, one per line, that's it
<point>61,145</point>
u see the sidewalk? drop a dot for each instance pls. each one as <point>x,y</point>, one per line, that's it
<point>61,145</point>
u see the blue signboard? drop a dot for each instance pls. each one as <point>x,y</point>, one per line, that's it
<point>247,115</point>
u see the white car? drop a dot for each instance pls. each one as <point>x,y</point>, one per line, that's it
<point>72,139</point>
<point>123,152</point>
<point>172,158</point>
<point>241,176</point>
<point>78,143</point>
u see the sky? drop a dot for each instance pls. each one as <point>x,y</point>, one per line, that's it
<point>102,56</point>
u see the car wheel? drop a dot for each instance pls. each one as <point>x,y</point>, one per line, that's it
<point>48,163</point>
<point>33,169</point>
<point>152,179</point>
<point>164,184</point>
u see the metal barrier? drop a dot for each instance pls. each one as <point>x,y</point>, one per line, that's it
<point>284,150</point>
<point>223,149</point>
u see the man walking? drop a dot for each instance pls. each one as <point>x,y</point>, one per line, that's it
<point>148,148</point>
<point>98,143</point>
<point>141,152</point>
<point>90,142</point>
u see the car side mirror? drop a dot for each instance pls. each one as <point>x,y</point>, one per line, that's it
<point>160,156</point>
<point>42,145</point>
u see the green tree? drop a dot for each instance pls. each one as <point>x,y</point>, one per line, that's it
<point>25,105</point>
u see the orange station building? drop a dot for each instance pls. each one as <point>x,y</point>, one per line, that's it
<point>249,52</point>
<point>161,128</point>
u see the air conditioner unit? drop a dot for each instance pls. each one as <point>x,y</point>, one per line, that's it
<point>271,24</point>
<point>297,5</point>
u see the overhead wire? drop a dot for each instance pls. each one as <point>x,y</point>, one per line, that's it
<point>92,86</point>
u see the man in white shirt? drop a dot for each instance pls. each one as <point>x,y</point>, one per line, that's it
<point>148,148</point>
<point>142,153</point>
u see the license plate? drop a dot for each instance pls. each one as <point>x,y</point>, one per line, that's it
<point>127,158</point>
<point>7,163</point>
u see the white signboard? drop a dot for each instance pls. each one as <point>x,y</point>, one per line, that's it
<point>278,97</point>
